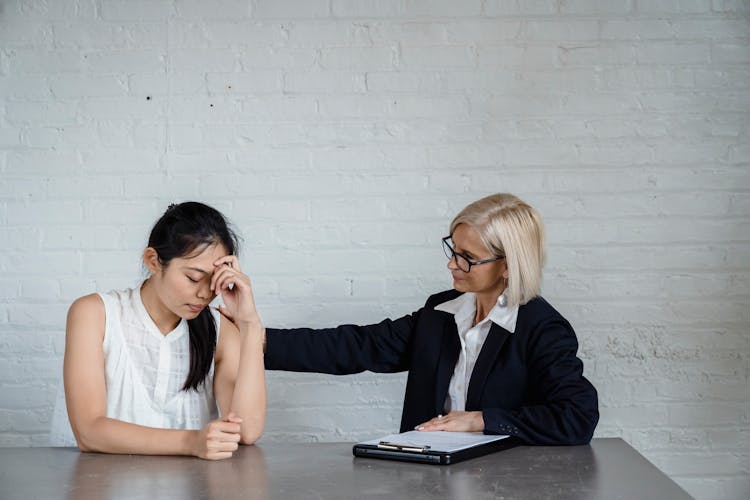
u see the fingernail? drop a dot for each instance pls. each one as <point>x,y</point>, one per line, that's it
<point>420,427</point>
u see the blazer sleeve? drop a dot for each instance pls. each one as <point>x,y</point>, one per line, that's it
<point>564,409</point>
<point>346,349</point>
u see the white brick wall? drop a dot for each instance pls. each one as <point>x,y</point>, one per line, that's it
<point>342,135</point>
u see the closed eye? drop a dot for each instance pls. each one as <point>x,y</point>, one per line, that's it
<point>192,280</point>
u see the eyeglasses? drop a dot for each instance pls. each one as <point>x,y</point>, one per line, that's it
<point>462,261</point>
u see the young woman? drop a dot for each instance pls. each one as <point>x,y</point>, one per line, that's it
<point>490,355</point>
<point>153,369</point>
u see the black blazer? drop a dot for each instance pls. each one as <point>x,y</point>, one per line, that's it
<point>528,384</point>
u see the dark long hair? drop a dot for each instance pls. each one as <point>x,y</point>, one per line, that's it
<point>179,232</point>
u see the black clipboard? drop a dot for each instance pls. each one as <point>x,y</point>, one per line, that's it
<point>425,455</point>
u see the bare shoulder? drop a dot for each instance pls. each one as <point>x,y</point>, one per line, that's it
<point>86,315</point>
<point>88,303</point>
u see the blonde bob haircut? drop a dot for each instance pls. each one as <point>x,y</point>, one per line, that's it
<point>510,227</point>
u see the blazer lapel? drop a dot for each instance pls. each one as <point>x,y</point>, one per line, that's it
<point>447,363</point>
<point>487,355</point>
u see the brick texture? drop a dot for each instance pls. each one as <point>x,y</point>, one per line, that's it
<point>342,136</point>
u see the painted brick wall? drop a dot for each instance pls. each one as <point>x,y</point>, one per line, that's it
<point>341,137</point>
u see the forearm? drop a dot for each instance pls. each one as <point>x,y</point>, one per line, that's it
<point>561,406</point>
<point>249,395</point>
<point>107,435</point>
<point>344,350</point>
<point>552,424</point>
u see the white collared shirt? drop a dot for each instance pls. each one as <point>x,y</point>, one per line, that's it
<point>472,339</point>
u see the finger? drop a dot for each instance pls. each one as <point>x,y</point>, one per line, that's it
<point>217,441</point>
<point>227,437</point>
<point>229,445</point>
<point>224,311</point>
<point>229,260</point>
<point>440,422</point>
<point>235,283</point>
<point>231,417</point>
<point>220,277</point>
<point>226,427</point>
<point>223,269</point>
<point>218,272</point>
<point>424,426</point>
<point>226,281</point>
<point>231,428</point>
<point>226,278</point>
<point>219,455</point>
<point>436,421</point>
<point>238,278</point>
<point>441,426</point>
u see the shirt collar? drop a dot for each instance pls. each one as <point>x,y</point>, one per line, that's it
<point>464,306</point>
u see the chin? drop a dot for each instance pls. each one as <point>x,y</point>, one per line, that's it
<point>460,286</point>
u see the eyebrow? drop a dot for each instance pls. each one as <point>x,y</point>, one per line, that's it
<point>197,270</point>
<point>463,252</point>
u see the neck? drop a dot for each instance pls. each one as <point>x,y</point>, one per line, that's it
<point>485,302</point>
<point>164,319</point>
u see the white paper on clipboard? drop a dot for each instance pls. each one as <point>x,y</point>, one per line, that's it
<point>439,441</point>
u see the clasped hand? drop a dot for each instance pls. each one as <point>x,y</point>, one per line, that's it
<point>218,439</point>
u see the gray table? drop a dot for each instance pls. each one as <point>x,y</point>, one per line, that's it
<point>607,469</point>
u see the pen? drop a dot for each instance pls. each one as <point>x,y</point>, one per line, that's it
<point>402,447</point>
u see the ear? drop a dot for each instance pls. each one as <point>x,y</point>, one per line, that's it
<point>151,260</point>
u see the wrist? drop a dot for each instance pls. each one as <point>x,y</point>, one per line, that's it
<point>189,443</point>
<point>252,332</point>
<point>479,423</point>
<point>247,325</point>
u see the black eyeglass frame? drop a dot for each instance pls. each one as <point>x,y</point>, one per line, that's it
<point>455,255</point>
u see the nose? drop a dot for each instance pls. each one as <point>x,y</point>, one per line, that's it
<point>452,264</point>
<point>204,291</point>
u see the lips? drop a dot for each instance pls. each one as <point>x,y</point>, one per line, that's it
<point>196,307</point>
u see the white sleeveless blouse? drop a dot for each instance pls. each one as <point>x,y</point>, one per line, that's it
<point>145,371</point>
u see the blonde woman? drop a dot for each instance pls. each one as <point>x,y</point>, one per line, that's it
<point>490,355</point>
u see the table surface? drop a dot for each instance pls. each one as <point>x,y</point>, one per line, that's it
<point>607,469</point>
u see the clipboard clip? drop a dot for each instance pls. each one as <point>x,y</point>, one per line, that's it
<point>386,445</point>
